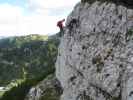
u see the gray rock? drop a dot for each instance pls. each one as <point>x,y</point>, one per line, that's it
<point>95,59</point>
<point>48,89</point>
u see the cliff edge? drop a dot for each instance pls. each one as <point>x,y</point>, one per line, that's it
<point>95,58</point>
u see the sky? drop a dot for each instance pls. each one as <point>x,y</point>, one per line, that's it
<point>22,17</point>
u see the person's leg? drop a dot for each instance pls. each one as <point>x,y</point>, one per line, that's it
<point>61,32</point>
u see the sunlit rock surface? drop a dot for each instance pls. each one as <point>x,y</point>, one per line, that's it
<point>95,58</point>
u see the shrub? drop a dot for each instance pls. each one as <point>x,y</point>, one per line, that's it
<point>129,35</point>
<point>21,90</point>
<point>98,61</point>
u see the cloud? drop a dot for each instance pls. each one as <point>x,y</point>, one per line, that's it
<point>9,14</point>
<point>40,19</point>
<point>50,6</point>
<point>51,3</point>
<point>13,21</point>
<point>9,18</point>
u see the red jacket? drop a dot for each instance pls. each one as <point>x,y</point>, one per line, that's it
<point>60,23</point>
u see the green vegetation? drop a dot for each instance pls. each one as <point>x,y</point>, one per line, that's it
<point>51,94</point>
<point>19,41</point>
<point>19,91</point>
<point>50,89</point>
<point>129,35</point>
<point>25,61</point>
<point>26,56</point>
<point>98,61</point>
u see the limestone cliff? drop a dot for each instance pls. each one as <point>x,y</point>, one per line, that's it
<point>48,89</point>
<point>95,58</point>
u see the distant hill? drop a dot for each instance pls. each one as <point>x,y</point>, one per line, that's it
<point>26,57</point>
<point>1,37</point>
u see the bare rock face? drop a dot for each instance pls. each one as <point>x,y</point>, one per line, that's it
<point>95,59</point>
<point>48,89</point>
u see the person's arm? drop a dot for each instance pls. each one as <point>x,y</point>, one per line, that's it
<point>63,20</point>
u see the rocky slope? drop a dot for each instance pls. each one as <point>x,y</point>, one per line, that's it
<point>48,89</point>
<point>95,59</point>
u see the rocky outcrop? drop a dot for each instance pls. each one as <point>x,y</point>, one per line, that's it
<point>48,89</point>
<point>95,59</point>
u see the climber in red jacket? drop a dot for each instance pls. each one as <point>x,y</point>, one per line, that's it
<point>60,25</point>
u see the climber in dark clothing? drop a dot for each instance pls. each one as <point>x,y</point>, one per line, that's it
<point>74,23</point>
<point>61,26</point>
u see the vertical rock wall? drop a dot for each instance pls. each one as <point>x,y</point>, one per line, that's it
<point>95,58</point>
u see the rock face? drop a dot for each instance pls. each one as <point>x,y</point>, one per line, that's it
<point>95,58</point>
<point>48,89</point>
